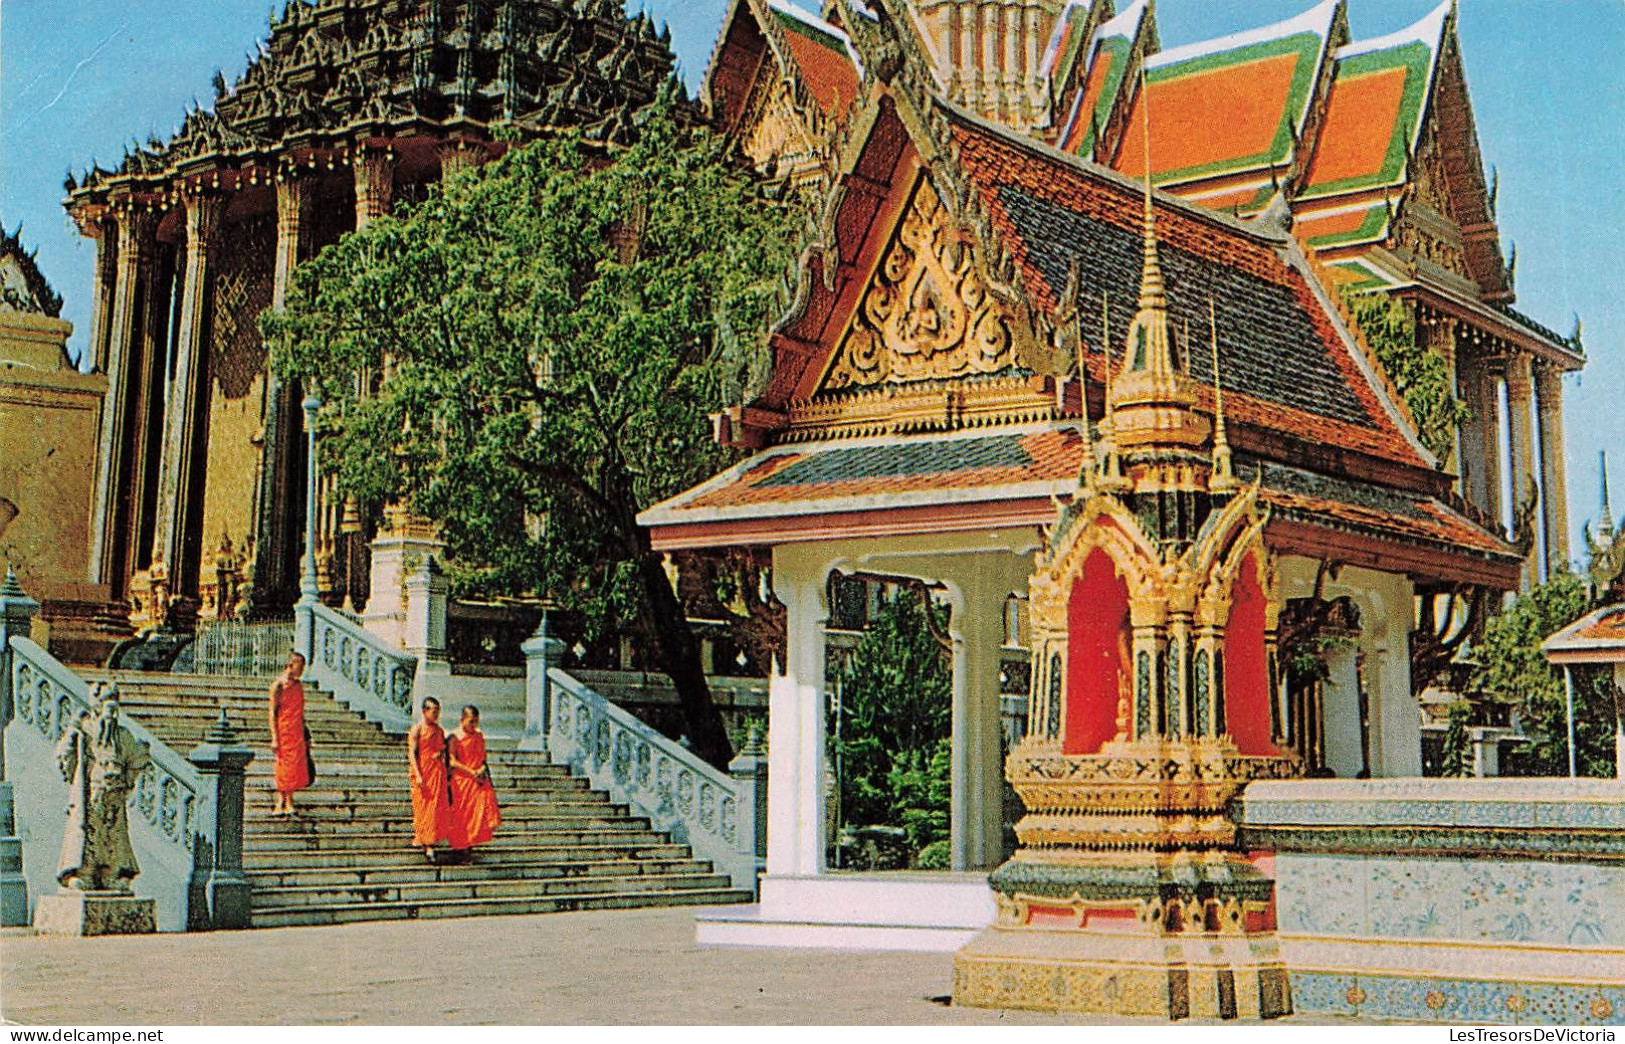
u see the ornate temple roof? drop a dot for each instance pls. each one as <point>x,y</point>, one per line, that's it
<point>337,71</point>
<point>1232,106</point>
<point>895,485</point>
<point>1596,638</point>
<point>23,286</point>
<point>1289,367</point>
<point>1311,418</point>
<point>825,58</point>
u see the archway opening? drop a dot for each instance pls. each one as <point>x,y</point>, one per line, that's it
<point>1246,666</point>
<point>1098,643</point>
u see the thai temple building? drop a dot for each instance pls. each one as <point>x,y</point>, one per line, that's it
<point>1077,334</point>
<point>199,497</point>
<point>1074,348</point>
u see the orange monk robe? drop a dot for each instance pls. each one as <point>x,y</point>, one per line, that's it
<point>292,770</point>
<point>431,809</point>
<point>474,813</point>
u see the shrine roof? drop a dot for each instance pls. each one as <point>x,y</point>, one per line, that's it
<point>22,285</point>
<point>955,481</point>
<point>824,55</point>
<point>1289,365</point>
<point>1598,637</point>
<point>1228,106</point>
<point>1068,41</point>
<point>1375,109</point>
<point>333,71</point>
<point>1109,55</point>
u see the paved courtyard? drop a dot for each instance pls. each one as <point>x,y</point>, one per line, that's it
<point>619,966</point>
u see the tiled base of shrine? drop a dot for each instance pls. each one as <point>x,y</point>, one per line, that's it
<point>1497,901</point>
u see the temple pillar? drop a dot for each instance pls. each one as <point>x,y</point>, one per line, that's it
<point>1441,338</point>
<point>177,545</point>
<point>1487,405</point>
<point>106,235</point>
<point>374,184</point>
<point>988,74</point>
<point>1553,465</point>
<point>795,718</point>
<point>459,154</point>
<point>977,631</point>
<point>119,305</point>
<point>276,528</point>
<point>1521,449</point>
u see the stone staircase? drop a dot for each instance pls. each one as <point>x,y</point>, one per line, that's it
<point>561,846</point>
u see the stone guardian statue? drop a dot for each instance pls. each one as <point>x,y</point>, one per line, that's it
<point>101,762</point>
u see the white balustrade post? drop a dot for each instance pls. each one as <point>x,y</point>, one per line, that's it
<point>218,895</point>
<point>426,629</point>
<point>749,772</point>
<point>16,621</point>
<point>542,653</point>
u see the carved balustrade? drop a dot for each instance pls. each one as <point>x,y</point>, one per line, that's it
<point>360,669</point>
<point>721,816</point>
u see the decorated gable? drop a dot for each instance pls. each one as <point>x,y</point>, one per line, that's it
<point>925,313</point>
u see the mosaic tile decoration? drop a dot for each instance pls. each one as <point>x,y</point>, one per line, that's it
<point>1456,1000</point>
<point>1528,901</point>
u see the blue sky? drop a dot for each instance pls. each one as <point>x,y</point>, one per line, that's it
<point>79,79</point>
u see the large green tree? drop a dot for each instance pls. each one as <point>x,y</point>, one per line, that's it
<point>528,357</point>
<point>896,703</point>
<point>1511,669</point>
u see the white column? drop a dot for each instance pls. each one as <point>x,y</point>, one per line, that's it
<point>977,630</point>
<point>795,717</point>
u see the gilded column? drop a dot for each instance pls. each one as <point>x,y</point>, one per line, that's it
<point>989,74</point>
<point>1553,464</point>
<point>1522,450</point>
<point>273,568</point>
<point>1489,398</point>
<point>1441,338</point>
<point>105,233</point>
<point>459,154</point>
<point>175,562</point>
<point>109,529</point>
<point>374,184</point>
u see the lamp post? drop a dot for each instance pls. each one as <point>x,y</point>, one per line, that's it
<point>309,590</point>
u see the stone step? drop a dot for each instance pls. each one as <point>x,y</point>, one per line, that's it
<point>421,872</point>
<point>490,855</point>
<point>393,837</point>
<point>325,895</point>
<point>513,819</point>
<point>390,790</point>
<point>278,917</point>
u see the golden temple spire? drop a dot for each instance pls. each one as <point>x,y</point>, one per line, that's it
<point>1150,342</point>
<point>1152,295</point>
<point>1223,477</point>
<point>1152,397</point>
<point>1086,472</point>
<point>1111,467</point>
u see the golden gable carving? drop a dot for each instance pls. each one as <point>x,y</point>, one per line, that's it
<point>927,314</point>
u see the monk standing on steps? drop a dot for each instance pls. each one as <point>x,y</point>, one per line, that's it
<point>427,764</point>
<point>474,813</point>
<point>290,745</point>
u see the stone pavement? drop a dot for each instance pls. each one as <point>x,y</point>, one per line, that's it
<point>638,967</point>
<point>616,967</point>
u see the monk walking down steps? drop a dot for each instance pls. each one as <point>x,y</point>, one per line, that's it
<point>426,756</point>
<point>290,740</point>
<point>474,813</point>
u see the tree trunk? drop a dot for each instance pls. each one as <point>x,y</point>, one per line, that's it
<point>679,655</point>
